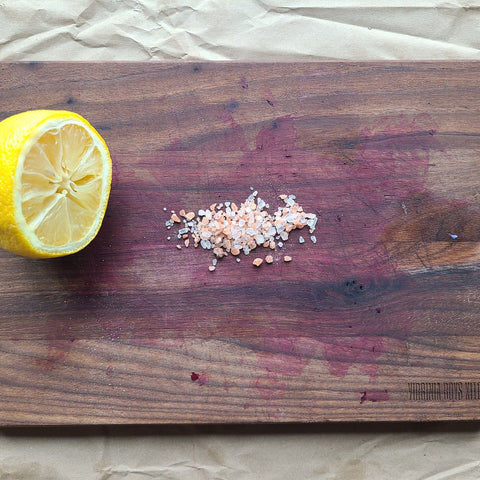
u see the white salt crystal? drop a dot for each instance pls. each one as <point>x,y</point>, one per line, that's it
<point>206,244</point>
<point>260,239</point>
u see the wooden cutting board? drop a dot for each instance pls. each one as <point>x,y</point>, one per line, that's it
<point>379,320</point>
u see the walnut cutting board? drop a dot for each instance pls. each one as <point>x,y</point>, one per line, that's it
<point>379,320</point>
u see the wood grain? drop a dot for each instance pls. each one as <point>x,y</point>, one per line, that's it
<point>379,320</point>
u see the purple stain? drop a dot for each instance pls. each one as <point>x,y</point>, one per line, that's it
<point>342,353</point>
<point>324,299</point>
<point>201,378</point>
<point>270,387</point>
<point>109,370</point>
<point>374,396</point>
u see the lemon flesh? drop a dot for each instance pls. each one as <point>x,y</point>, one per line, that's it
<point>55,177</point>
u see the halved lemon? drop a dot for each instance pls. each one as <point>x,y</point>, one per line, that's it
<point>55,177</point>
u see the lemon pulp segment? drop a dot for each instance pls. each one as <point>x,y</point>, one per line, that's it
<point>61,185</point>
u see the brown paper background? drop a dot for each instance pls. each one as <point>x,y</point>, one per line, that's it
<point>241,30</point>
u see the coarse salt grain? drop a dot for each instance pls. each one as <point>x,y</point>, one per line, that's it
<point>287,258</point>
<point>235,229</point>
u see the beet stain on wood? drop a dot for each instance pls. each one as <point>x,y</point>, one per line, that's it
<point>385,154</point>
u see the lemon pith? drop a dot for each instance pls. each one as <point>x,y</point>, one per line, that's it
<point>55,176</point>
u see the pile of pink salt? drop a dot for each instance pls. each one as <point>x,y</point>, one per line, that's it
<point>226,228</point>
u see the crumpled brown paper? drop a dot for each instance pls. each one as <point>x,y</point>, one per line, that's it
<point>330,452</point>
<point>243,30</point>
